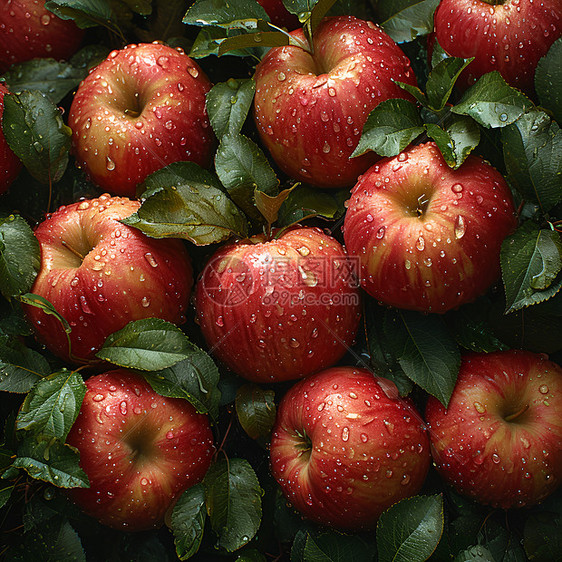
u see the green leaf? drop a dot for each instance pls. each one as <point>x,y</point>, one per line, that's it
<point>209,40</point>
<point>426,351</point>
<point>255,408</point>
<point>6,490</point>
<point>249,40</point>
<point>20,256</point>
<point>476,553</point>
<point>441,81</point>
<point>242,14</point>
<point>548,80</point>
<point>410,530</point>
<point>305,201</point>
<point>390,128</point>
<point>269,206</point>
<point>51,461</point>
<point>228,104</point>
<point>542,535</point>
<point>233,497</point>
<point>242,168</point>
<point>40,302</point>
<point>531,260</point>
<point>52,405</point>
<point>187,521</point>
<point>35,131</point>
<point>20,367</point>
<point>183,200</point>
<point>492,102</point>
<point>532,149</point>
<point>195,379</point>
<point>411,22</point>
<point>150,344</point>
<point>85,13</point>
<point>336,547</point>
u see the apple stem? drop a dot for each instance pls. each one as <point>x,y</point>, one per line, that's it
<point>73,250</point>
<point>515,415</point>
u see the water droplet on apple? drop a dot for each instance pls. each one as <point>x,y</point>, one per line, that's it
<point>123,407</point>
<point>480,408</point>
<point>543,389</point>
<point>98,397</point>
<point>460,227</point>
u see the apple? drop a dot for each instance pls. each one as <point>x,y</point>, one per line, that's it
<point>280,308</point>
<point>139,110</point>
<point>10,164</point>
<point>428,237</point>
<point>509,36</point>
<point>100,274</point>
<point>139,450</point>
<point>311,103</point>
<point>278,14</point>
<point>345,447</point>
<point>499,441</point>
<point>28,30</point>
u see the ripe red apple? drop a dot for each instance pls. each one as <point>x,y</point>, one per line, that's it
<point>500,439</point>
<point>278,14</point>
<point>509,36</point>
<point>139,450</point>
<point>28,30</point>
<point>10,164</point>
<point>428,237</point>
<point>345,447</point>
<point>100,274</point>
<point>310,108</point>
<point>138,111</point>
<point>279,309</point>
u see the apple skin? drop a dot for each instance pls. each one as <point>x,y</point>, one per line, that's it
<point>509,37</point>
<point>428,237</point>
<point>124,276</point>
<point>500,462</point>
<point>310,110</point>
<point>345,447</point>
<point>281,309</point>
<point>139,110</point>
<point>28,30</point>
<point>139,450</point>
<point>279,15</point>
<point>10,164</point>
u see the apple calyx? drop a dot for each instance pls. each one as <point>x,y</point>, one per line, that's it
<point>74,251</point>
<point>515,416</point>
<point>303,443</point>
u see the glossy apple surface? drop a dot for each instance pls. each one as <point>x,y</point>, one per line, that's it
<point>10,164</point>
<point>100,274</point>
<point>346,447</point>
<point>28,30</point>
<point>509,36</point>
<point>428,237</point>
<point>139,110</point>
<point>310,108</point>
<point>139,450</point>
<point>279,309</point>
<point>499,441</point>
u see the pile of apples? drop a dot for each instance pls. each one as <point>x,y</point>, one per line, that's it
<point>223,244</point>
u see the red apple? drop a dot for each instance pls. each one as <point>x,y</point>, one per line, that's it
<point>278,14</point>
<point>10,164</point>
<point>28,30</point>
<point>310,108</point>
<point>279,309</point>
<point>100,274</point>
<point>509,36</point>
<point>138,111</point>
<point>428,237</point>
<point>345,447</point>
<point>499,441</point>
<point>139,450</point>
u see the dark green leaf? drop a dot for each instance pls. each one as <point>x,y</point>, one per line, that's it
<point>19,256</point>
<point>548,80</point>
<point>35,131</point>
<point>241,14</point>
<point>532,149</point>
<point>390,128</point>
<point>209,40</point>
<point>300,7</point>
<point>42,303</point>
<point>194,379</point>
<point>150,344</point>
<point>52,405</point>
<point>414,91</point>
<point>185,201</point>
<point>410,530</point>
<point>188,521</point>
<point>531,260</point>
<point>20,367</point>
<point>411,22</point>
<point>233,497</point>
<point>492,102</point>
<point>6,490</point>
<point>441,81</point>
<point>542,536</point>
<point>165,21</point>
<point>250,40</point>
<point>335,547</point>
<point>51,461</point>
<point>255,408</point>
<point>475,553</point>
<point>85,13</point>
<point>426,351</point>
<point>251,555</point>
<point>228,104</point>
